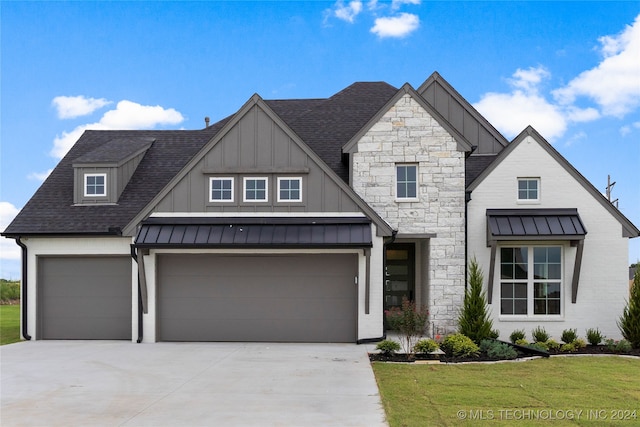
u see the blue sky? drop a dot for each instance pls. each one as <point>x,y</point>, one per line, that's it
<point>572,70</point>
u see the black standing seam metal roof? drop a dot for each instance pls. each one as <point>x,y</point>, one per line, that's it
<point>252,233</point>
<point>533,223</point>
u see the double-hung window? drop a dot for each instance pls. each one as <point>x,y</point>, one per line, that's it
<point>255,189</point>
<point>95,185</point>
<point>289,189</point>
<point>528,189</point>
<point>406,182</point>
<point>531,280</point>
<point>221,189</point>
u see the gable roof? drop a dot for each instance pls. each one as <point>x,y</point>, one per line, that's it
<point>629,230</point>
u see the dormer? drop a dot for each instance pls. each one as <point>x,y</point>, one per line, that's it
<point>101,175</point>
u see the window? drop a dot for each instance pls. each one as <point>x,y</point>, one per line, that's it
<point>95,185</point>
<point>255,189</point>
<point>530,280</point>
<point>406,181</point>
<point>289,189</point>
<point>221,189</point>
<point>528,189</point>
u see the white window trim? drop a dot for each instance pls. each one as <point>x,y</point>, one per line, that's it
<point>254,178</point>
<point>395,183</point>
<point>86,176</point>
<point>530,287</point>
<point>221,178</point>
<point>290,178</point>
<point>527,201</point>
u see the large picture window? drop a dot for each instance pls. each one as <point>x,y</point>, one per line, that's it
<point>255,190</point>
<point>221,189</point>
<point>95,185</point>
<point>406,182</point>
<point>531,280</point>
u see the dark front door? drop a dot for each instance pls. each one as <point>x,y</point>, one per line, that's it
<point>399,274</point>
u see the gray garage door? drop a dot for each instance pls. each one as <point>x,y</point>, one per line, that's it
<point>84,298</point>
<point>292,298</point>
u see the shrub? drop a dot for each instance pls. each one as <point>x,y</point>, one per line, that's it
<point>522,342</point>
<point>388,347</point>
<point>474,319</point>
<point>539,334</point>
<point>495,334</point>
<point>594,336</point>
<point>9,290</point>
<point>580,343</point>
<point>629,322</point>
<point>498,350</point>
<point>552,344</point>
<point>539,346</point>
<point>426,346</point>
<point>568,348</point>
<point>611,344</point>
<point>459,345</point>
<point>517,335</point>
<point>409,322</point>
<point>623,346</point>
<point>569,336</point>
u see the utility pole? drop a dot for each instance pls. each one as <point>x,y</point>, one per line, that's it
<point>609,187</point>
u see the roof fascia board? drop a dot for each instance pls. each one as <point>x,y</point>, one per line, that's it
<point>383,228</point>
<point>437,78</point>
<point>628,228</point>
<point>352,145</point>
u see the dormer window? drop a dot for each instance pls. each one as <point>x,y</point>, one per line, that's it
<point>255,190</point>
<point>95,185</point>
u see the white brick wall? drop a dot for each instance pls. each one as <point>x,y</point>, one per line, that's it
<point>407,133</point>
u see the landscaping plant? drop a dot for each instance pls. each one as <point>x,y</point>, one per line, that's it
<point>459,345</point>
<point>498,350</point>
<point>594,336</point>
<point>629,322</point>
<point>388,347</point>
<point>517,335</point>
<point>426,346</point>
<point>539,334</point>
<point>569,336</point>
<point>474,319</point>
<point>409,322</point>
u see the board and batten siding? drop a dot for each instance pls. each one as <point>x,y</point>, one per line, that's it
<point>257,146</point>
<point>603,284</point>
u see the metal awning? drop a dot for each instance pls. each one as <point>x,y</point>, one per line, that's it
<point>534,224</point>
<point>248,232</point>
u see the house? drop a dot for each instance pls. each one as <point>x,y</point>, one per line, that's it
<point>303,220</point>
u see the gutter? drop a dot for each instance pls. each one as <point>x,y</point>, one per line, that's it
<point>140,307</point>
<point>23,294</point>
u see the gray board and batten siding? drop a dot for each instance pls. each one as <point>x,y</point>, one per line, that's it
<point>268,298</point>
<point>84,297</point>
<point>257,146</point>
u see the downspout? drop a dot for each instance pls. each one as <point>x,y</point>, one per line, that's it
<point>140,330</point>
<point>23,295</point>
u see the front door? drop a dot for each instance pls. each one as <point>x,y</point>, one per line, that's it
<point>399,274</point>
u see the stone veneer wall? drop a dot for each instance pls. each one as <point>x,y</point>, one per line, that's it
<point>407,133</point>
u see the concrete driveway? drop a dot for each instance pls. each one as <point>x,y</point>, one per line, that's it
<point>112,383</point>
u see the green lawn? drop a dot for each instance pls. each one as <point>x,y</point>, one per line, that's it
<point>560,391</point>
<point>9,324</point>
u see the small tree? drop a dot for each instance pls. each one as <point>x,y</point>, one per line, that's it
<point>409,322</point>
<point>629,322</point>
<point>474,319</point>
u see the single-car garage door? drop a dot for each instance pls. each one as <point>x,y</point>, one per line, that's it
<point>84,298</point>
<point>291,298</point>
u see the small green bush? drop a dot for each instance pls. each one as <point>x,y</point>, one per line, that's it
<point>580,343</point>
<point>426,346</point>
<point>539,334</point>
<point>518,334</point>
<point>611,344</point>
<point>569,336</point>
<point>552,344</point>
<point>498,350</point>
<point>622,346</point>
<point>539,346</point>
<point>568,347</point>
<point>594,336</point>
<point>523,342</point>
<point>629,321</point>
<point>459,345</point>
<point>495,334</point>
<point>388,347</point>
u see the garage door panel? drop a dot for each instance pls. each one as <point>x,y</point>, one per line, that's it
<point>257,298</point>
<point>84,297</point>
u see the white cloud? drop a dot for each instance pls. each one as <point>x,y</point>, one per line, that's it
<point>396,4</point>
<point>396,26</point>
<point>627,129</point>
<point>70,107</point>
<point>126,116</point>
<point>614,84</point>
<point>574,139</point>
<point>529,80</point>
<point>39,176</point>
<point>8,247</point>
<point>347,12</point>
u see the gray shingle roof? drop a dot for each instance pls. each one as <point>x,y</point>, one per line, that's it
<point>324,124</point>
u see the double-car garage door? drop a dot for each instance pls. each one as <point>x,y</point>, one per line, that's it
<point>292,298</point>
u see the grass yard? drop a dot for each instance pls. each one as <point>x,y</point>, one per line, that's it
<point>560,391</point>
<point>9,324</point>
